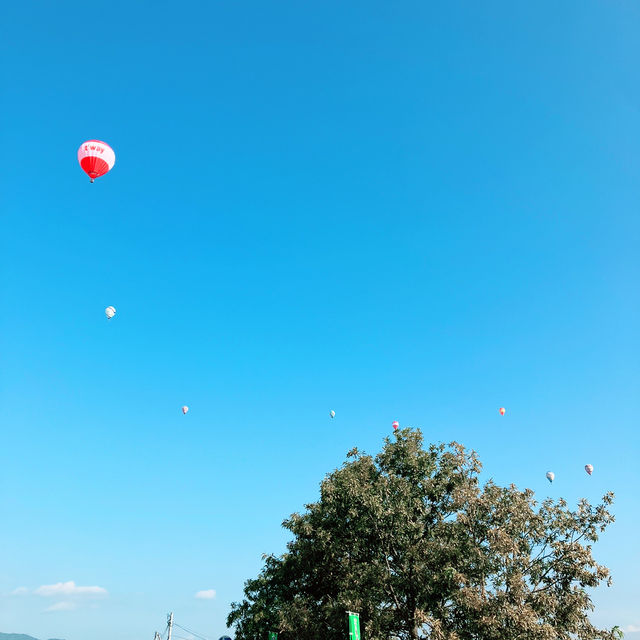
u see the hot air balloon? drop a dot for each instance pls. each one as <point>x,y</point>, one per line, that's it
<point>588,468</point>
<point>184,410</point>
<point>96,158</point>
<point>550,476</point>
<point>110,312</point>
<point>502,411</point>
<point>396,425</point>
<point>332,414</point>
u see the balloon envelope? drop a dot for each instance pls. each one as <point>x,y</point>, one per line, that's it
<point>396,425</point>
<point>502,411</point>
<point>96,158</point>
<point>332,414</point>
<point>110,312</point>
<point>550,476</point>
<point>588,468</point>
<point>185,409</point>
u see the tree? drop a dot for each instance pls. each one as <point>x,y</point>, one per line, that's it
<point>412,541</point>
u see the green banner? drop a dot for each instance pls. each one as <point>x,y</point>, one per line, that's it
<point>273,635</point>
<point>354,625</point>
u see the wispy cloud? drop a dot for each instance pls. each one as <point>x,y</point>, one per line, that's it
<point>62,606</point>
<point>68,589</point>
<point>207,594</point>
<point>632,628</point>
<point>20,591</point>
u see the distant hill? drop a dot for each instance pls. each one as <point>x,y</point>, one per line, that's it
<point>19,636</point>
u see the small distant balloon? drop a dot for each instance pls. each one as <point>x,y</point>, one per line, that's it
<point>185,409</point>
<point>96,158</point>
<point>550,476</point>
<point>502,411</point>
<point>588,468</point>
<point>225,638</point>
<point>396,425</point>
<point>332,414</point>
<point>110,312</point>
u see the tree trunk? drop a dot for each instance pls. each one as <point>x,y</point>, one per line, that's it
<point>413,627</point>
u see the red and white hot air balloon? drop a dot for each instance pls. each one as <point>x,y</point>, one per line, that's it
<point>96,158</point>
<point>502,411</point>
<point>396,425</point>
<point>184,410</point>
<point>588,468</point>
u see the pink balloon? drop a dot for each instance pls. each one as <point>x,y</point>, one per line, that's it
<point>588,468</point>
<point>396,425</point>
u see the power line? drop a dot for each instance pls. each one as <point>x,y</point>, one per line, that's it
<point>193,633</point>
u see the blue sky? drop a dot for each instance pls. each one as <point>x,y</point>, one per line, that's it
<point>393,210</point>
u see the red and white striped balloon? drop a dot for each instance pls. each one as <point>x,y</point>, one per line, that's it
<point>96,158</point>
<point>396,425</point>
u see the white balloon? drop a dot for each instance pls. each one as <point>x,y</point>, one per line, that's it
<point>550,476</point>
<point>110,312</point>
<point>184,410</point>
<point>332,414</point>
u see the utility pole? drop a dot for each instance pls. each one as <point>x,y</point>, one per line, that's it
<point>169,624</point>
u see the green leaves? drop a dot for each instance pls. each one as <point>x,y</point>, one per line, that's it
<point>413,542</point>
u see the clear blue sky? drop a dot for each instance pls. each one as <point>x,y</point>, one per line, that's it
<point>397,210</point>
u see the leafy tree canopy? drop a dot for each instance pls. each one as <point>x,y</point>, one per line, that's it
<point>411,540</point>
